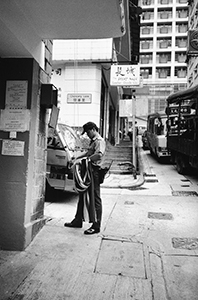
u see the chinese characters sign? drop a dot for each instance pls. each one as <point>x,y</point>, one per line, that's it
<point>125,75</point>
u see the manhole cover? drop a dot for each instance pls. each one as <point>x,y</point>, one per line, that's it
<point>184,193</point>
<point>117,257</point>
<point>129,202</point>
<point>185,243</point>
<point>160,216</point>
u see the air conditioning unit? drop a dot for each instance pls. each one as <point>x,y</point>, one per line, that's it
<point>192,42</point>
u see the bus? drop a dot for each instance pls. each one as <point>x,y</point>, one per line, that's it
<point>182,135</point>
<point>156,134</point>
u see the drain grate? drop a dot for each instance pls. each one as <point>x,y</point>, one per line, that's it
<point>184,193</point>
<point>151,180</point>
<point>128,202</point>
<point>185,243</point>
<point>160,216</point>
<point>150,175</point>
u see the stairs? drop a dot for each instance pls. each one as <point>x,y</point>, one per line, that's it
<point>118,154</point>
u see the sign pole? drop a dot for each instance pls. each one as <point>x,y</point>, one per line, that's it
<point>134,131</point>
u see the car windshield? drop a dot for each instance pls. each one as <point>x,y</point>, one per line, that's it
<point>69,137</point>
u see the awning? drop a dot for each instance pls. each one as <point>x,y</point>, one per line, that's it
<point>183,95</point>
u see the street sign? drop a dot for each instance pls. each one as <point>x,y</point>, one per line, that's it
<point>125,75</point>
<point>79,98</point>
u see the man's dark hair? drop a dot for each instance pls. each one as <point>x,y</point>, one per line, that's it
<point>89,126</point>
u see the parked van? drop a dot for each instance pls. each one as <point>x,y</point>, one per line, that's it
<point>63,145</point>
<point>156,134</point>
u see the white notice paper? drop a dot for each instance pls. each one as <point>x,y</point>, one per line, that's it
<point>13,148</point>
<point>16,94</point>
<point>15,120</point>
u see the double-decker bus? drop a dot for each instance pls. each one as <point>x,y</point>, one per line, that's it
<point>156,134</point>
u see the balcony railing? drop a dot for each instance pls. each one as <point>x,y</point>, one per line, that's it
<point>163,59</point>
<point>181,73</point>
<point>146,30</point>
<point>182,28</point>
<point>147,16</point>
<point>164,44</point>
<point>182,14</point>
<point>146,59</point>
<point>144,73</point>
<point>181,43</point>
<point>164,2</point>
<point>164,29</point>
<point>183,1</point>
<point>165,15</point>
<point>146,45</point>
<point>163,72</point>
<point>181,58</point>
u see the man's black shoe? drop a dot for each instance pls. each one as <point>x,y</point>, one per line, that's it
<point>92,230</point>
<point>74,224</point>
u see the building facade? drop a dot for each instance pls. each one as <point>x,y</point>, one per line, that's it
<point>26,31</point>
<point>163,45</point>
<point>192,53</point>
<point>81,72</point>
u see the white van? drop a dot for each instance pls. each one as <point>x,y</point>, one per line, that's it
<point>156,134</point>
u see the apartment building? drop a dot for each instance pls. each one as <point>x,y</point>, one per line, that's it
<point>192,54</point>
<point>163,46</point>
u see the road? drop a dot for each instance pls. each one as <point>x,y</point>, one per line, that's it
<point>166,180</point>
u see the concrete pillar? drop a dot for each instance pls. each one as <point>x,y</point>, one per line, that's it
<point>22,176</point>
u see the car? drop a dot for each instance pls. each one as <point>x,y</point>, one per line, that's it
<point>145,145</point>
<point>63,144</point>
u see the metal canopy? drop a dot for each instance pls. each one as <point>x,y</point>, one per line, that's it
<point>29,21</point>
<point>183,95</point>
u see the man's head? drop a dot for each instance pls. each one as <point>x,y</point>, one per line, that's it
<point>88,127</point>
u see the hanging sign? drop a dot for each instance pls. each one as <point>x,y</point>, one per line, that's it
<point>125,75</point>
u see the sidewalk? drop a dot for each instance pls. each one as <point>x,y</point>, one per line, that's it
<point>131,258</point>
